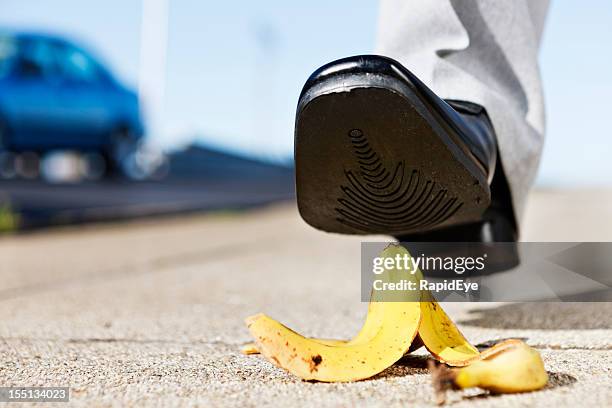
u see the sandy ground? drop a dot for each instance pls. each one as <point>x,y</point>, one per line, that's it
<point>152,312</point>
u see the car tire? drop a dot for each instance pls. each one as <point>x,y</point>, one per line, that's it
<point>123,143</point>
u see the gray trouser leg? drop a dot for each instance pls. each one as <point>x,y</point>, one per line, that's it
<point>482,51</point>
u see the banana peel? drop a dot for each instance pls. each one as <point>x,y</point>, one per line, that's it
<point>442,337</point>
<point>508,367</point>
<point>391,330</point>
<point>436,332</point>
<point>386,335</point>
<point>312,360</point>
<point>251,348</point>
<point>373,321</point>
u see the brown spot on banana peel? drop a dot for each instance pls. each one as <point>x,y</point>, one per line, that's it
<point>314,362</point>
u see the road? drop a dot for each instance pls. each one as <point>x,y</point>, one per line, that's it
<point>200,179</point>
<point>40,204</point>
<point>150,313</point>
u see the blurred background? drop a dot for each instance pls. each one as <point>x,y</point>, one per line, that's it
<point>121,109</point>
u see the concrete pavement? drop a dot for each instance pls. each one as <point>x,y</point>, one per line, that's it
<point>151,312</point>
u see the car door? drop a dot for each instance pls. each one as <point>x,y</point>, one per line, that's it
<point>31,96</point>
<point>85,97</point>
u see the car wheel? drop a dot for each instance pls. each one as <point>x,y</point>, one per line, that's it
<point>122,146</point>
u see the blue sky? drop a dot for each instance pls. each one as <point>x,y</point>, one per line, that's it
<point>235,69</point>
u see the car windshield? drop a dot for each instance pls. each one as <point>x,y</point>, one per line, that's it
<point>8,52</point>
<point>76,65</point>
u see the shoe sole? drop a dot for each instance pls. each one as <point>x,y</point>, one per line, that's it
<point>374,159</point>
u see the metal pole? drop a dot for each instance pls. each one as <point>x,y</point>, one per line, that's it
<point>152,69</point>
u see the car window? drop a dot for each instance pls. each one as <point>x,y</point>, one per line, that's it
<point>8,53</point>
<point>76,65</point>
<point>37,58</point>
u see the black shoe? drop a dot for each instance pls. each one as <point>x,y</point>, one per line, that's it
<point>377,152</point>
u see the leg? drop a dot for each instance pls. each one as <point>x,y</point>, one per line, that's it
<point>481,51</point>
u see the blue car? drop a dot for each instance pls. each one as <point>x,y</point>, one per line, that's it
<point>56,95</point>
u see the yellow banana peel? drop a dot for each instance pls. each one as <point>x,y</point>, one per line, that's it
<point>441,336</point>
<point>392,329</point>
<point>508,367</point>
<point>373,321</point>
<point>386,335</point>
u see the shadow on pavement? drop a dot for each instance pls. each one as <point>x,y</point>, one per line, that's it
<point>544,316</point>
<point>556,380</point>
<point>407,365</point>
